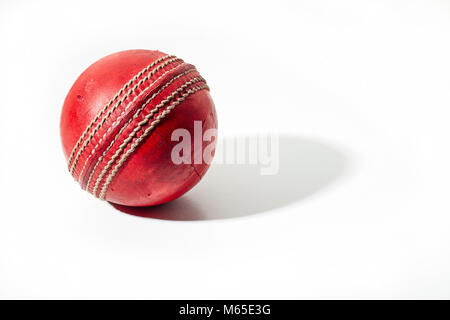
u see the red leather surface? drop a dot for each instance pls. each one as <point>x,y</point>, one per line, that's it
<point>148,176</point>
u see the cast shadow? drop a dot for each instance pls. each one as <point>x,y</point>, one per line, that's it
<point>231,191</point>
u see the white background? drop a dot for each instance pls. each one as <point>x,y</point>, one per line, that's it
<point>358,92</point>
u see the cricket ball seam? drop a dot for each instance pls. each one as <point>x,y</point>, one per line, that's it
<point>138,127</point>
<point>128,94</point>
<point>110,111</point>
<point>111,102</point>
<point>145,134</point>
<point>141,93</point>
<point>132,118</point>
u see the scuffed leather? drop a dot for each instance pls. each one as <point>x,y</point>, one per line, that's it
<point>148,177</point>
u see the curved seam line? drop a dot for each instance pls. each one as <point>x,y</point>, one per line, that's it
<point>80,177</point>
<point>137,128</point>
<point>108,114</point>
<point>111,102</point>
<point>145,134</point>
<point>131,119</point>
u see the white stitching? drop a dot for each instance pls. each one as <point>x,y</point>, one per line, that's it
<point>88,140</point>
<point>131,119</point>
<point>138,127</point>
<point>144,135</point>
<point>112,100</point>
<point>80,177</point>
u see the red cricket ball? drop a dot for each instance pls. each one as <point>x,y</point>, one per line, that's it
<point>118,121</point>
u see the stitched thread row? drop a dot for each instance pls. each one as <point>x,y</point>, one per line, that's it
<point>110,111</point>
<point>138,127</point>
<point>131,119</point>
<point>80,177</point>
<point>111,102</point>
<point>145,134</point>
